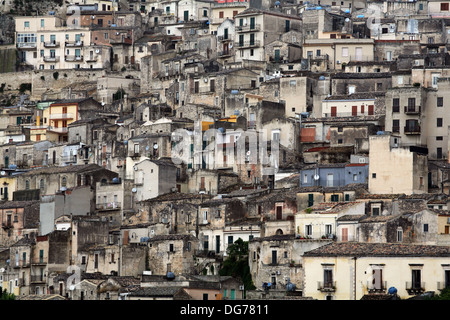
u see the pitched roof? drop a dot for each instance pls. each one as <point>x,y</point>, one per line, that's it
<point>360,249</point>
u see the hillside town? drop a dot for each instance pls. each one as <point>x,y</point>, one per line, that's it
<point>148,146</point>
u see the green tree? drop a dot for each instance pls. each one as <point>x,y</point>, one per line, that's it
<point>444,295</point>
<point>7,296</point>
<point>236,265</point>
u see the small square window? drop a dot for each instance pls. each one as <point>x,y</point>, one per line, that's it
<point>374,175</point>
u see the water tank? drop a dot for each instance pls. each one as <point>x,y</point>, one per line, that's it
<point>277,3</point>
<point>392,290</point>
<point>360,16</point>
<point>322,78</point>
<point>115,180</point>
<point>234,91</point>
<point>170,275</point>
<point>12,166</point>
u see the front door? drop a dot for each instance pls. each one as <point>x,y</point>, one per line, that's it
<point>333,111</point>
<point>279,213</point>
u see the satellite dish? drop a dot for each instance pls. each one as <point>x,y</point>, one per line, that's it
<point>2,173</point>
<point>133,190</point>
<point>248,152</point>
<point>316,177</point>
<point>2,270</point>
<point>155,146</point>
<point>97,51</point>
<point>146,148</point>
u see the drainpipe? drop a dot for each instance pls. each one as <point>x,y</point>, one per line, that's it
<point>354,278</point>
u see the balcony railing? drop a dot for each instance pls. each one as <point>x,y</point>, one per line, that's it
<point>58,130</point>
<point>249,27</point>
<point>108,206</point>
<point>51,59</point>
<point>329,286</point>
<point>225,53</point>
<point>248,44</point>
<point>61,116</point>
<point>346,114</point>
<point>38,279</point>
<point>412,110</point>
<point>412,130</point>
<point>121,41</point>
<point>51,44</point>
<point>415,287</point>
<point>73,58</point>
<point>91,59</point>
<point>377,288</point>
<point>441,285</point>
<point>69,159</point>
<point>26,45</point>
<point>224,38</point>
<point>74,43</point>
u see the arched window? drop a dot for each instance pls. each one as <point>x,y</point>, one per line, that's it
<point>63,182</point>
<point>27,184</point>
<point>41,184</point>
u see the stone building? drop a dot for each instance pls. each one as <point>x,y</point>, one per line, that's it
<point>172,253</point>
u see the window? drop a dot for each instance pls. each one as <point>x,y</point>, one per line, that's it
<point>63,182</point>
<point>374,175</point>
<point>425,227</point>
<point>308,230</point>
<point>26,24</point>
<point>439,138</point>
<point>328,278</point>
<point>440,101</point>
<point>444,6</point>
<point>220,14</point>
<point>399,234</point>
<point>345,51</point>
<point>396,125</point>
<point>274,257</point>
<point>439,122</point>
<point>334,198</point>
<point>42,184</point>
<point>27,184</point>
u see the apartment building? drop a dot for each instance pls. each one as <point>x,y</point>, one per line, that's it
<point>338,52</point>
<point>220,12</point>
<point>254,28</point>
<point>50,42</point>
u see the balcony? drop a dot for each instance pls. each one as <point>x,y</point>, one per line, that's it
<point>73,58</point>
<point>248,28</point>
<point>74,44</point>
<point>377,288</point>
<point>69,159</point>
<point>412,129</point>
<point>7,225</point>
<point>414,288</point>
<point>251,124</point>
<point>329,286</point>
<point>224,38</point>
<point>248,44</point>
<point>442,285</point>
<point>51,44</point>
<point>121,41</point>
<point>58,130</point>
<point>38,279</point>
<point>413,110</point>
<point>51,59</point>
<point>114,205</point>
<point>61,116</point>
<point>224,54</point>
<point>26,45</point>
<point>91,59</point>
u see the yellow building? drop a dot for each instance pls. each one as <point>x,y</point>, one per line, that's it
<point>350,270</point>
<point>7,187</point>
<point>57,117</point>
